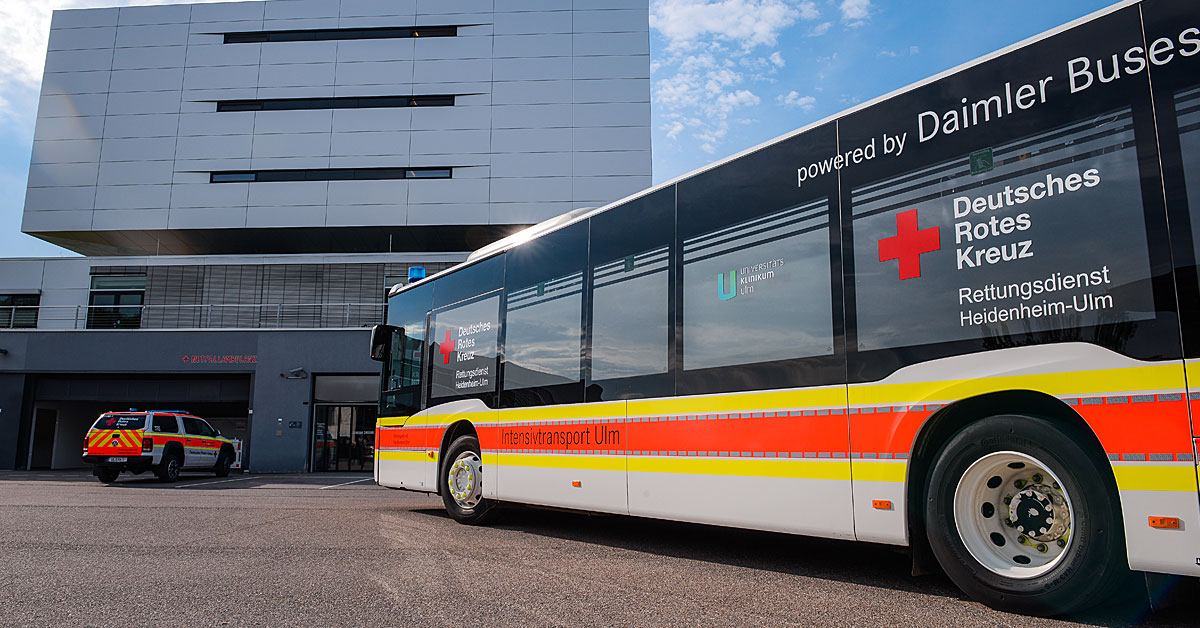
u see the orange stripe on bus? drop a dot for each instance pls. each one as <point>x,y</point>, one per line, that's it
<point>1140,424</point>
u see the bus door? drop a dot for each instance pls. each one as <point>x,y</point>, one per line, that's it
<point>1177,101</point>
<point>463,355</point>
<point>554,449</point>
<point>752,429</point>
<point>1177,116</point>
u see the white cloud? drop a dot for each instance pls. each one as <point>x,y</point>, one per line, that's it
<point>887,53</point>
<point>24,29</point>
<point>740,98</point>
<point>820,29</point>
<point>808,10</point>
<point>855,12</point>
<point>913,50</point>
<point>747,23</point>
<point>713,52</point>
<point>794,99</point>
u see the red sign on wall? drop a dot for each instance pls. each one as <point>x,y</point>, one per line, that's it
<point>221,359</point>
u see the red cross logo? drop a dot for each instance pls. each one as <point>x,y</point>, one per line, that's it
<point>908,244</point>
<point>446,348</point>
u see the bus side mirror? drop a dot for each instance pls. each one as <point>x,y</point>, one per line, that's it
<point>381,336</point>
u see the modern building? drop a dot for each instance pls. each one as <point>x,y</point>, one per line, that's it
<point>245,179</point>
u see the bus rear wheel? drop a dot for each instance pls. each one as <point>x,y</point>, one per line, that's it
<point>462,483</point>
<point>1022,518</point>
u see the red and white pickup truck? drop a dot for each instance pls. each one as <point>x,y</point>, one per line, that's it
<point>164,441</point>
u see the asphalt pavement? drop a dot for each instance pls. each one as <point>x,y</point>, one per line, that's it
<point>336,550</point>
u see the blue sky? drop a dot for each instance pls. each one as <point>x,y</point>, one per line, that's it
<point>725,74</point>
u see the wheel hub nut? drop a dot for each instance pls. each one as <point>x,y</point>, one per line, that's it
<point>1039,512</point>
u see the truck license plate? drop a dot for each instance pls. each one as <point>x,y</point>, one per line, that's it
<point>118,459</point>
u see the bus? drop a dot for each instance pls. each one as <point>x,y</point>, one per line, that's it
<point>963,317</point>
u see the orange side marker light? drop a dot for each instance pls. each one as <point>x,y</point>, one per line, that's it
<point>1165,523</point>
<point>577,484</point>
<point>881,504</point>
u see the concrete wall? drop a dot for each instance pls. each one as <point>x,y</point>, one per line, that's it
<point>275,445</point>
<point>552,113</point>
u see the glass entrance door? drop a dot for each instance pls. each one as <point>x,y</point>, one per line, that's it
<point>343,438</point>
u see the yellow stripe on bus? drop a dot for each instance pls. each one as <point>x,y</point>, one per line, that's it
<point>1104,381</point>
<point>1157,377</point>
<point>405,456</point>
<point>880,471</point>
<point>807,398</point>
<point>1152,477</point>
<point>751,467</point>
<point>592,463</point>
<point>597,410</point>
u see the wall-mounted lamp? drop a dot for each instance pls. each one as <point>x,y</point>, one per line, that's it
<point>296,373</point>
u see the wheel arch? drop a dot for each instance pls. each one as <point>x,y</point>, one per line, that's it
<point>461,427</point>
<point>943,424</point>
<point>174,447</point>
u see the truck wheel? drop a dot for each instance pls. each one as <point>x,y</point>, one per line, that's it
<point>1023,519</point>
<point>462,483</point>
<point>224,462</point>
<point>169,468</point>
<point>107,476</point>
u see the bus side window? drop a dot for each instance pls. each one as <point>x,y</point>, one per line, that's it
<point>632,326</point>
<point>543,326</point>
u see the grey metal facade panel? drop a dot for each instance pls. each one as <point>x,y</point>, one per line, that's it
<point>127,128</point>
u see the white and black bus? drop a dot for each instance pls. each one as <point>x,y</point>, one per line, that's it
<point>960,317</point>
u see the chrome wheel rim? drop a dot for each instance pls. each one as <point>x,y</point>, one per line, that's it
<point>1013,515</point>
<point>464,480</point>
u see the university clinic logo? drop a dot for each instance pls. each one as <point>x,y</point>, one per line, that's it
<point>908,244</point>
<point>727,290</point>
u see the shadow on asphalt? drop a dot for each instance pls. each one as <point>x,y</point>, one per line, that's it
<point>842,561</point>
<point>209,481</point>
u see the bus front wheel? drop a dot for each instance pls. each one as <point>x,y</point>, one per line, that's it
<point>1023,519</point>
<point>462,483</point>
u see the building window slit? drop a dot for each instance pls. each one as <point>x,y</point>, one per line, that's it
<point>339,34</point>
<point>330,174</point>
<point>372,102</point>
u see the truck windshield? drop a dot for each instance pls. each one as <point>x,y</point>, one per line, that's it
<point>120,422</point>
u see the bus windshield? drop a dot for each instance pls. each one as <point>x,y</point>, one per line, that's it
<point>401,394</point>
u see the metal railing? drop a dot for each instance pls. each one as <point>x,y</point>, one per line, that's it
<point>18,317</point>
<point>206,316</point>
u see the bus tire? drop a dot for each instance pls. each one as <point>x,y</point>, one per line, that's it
<point>1023,519</point>
<point>462,483</point>
<point>107,476</point>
